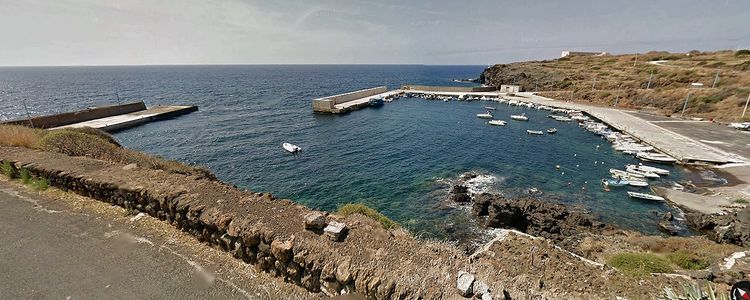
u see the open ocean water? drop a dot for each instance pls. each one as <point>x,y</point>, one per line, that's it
<point>399,158</point>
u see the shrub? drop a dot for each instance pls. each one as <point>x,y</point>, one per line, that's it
<point>96,132</point>
<point>25,176</point>
<point>694,292</point>
<point>40,184</point>
<point>688,261</point>
<point>8,170</point>
<point>19,136</point>
<point>639,264</point>
<point>740,201</point>
<point>362,209</point>
<point>742,52</point>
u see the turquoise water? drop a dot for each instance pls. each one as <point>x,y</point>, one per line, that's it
<point>399,158</point>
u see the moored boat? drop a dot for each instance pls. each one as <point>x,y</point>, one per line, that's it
<point>486,115</point>
<point>490,107</point>
<point>638,183</point>
<point>552,130</point>
<point>497,122</point>
<point>614,182</point>
<point>377,102</point>
<point>645,196</point>
<point>655,157</point>
<point>292,148</point>
<point>521,117</point>
<point>644,168</point>
<point>535,132</point>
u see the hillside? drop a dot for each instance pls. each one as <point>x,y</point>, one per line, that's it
<point>604,80</point>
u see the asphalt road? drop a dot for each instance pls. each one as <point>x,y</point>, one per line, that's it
<point>49,250</point>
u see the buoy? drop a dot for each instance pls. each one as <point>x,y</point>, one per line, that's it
<point>563,173</point>
<point>597,146</point>
<point>583,188</point>
<point>576,166</point>
<point>596,162</point>
<point>586,182</point>
<point>557,166</point>
<point>574,155</point>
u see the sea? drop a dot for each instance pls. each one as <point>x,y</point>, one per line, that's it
<point>400,159</point>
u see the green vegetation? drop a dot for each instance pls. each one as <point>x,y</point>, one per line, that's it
<point>639,264</point>
<point>694,292</point>
<point>688,261</point>
<point>25,176</point>
<point>39,184</point>
<point>740,201</point>
<point>742,52</point>
<point>8,170</point>
<point>359,208</point>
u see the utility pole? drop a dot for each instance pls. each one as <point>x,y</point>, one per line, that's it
<point>716,79</point>
<point>636,60</point>
<point>650,77</point>
<point>685,105</point>
<point>593,84</point>
<point>617,99</point>
<point>27,113</point>
<point>745,110</point>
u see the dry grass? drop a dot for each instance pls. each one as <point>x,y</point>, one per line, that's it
<point>688,253</point>
<point>359,208</point>
<point>91,143</point>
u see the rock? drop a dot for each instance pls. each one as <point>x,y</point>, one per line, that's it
<point>667,216</point>
<point>336,231</point>
<point>282,250</point>
<point>486,296</point>
<point>480,288</point>
<point>343,273</point>
<point>459,189</point>
<point>315,221</point>
<point>465,283</point>
<point>668,228</point>
<point>731,228</point>
<point>129,167</point>
<point>459,193</point>
<point>330,288</point>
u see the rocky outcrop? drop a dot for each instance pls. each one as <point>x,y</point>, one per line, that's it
<point>536,217</point>
<point>731,228</point>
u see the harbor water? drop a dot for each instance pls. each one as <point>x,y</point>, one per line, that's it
<point>400,158</point>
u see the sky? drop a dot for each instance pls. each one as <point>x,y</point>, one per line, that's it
<point>147,32</point>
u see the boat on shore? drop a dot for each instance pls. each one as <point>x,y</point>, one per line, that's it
<point>486,115</point>
<point>521,117</point>
<point>535,132</point>
<point>655,157</point>
<point>291,148</point>
<point>497,122</point>
<point>552,130</point>
<point>645,196</point>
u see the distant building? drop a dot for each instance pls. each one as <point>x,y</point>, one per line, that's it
<point>507,88</point>
<point>579,53</point>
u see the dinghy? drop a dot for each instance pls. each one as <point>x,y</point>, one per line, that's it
<point>638,183</point>
<point>644,168</point>
<point>535,132</point>
<point>552,130</point>
<point>486,115</point>
<point>291,148</point>
<point>521,117</point>
<point>614,182</point>
<point>634,170</point>
<point>656,157</point>
<point>645,196</point>
<point>497,122</point>
<point>624,174</point>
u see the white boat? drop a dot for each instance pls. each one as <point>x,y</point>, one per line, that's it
<point>638,172</point>
<point>497,122</point>
<point>486,115</point>
<point>291,148</point>
<point>490,107</point>
<point>535,132</point>
<point>655,157</point>
<point>644,168</point>
<point>521,117</point>
<point>645,196</point>
<point>624,174</point>
<point>638,183</point>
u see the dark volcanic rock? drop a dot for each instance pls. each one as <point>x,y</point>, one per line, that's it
<point>731,228</point>
<point>459,193</point>
<point>534,216</point>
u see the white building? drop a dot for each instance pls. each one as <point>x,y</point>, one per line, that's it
<point>507,88</point>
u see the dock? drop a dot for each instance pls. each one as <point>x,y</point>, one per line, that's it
<point>107,118</point>
<point>347,102</point>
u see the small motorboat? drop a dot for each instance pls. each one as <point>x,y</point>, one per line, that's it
<point>614,182</point>
<point>552,130</point>
<point>655,157</point>
<point>624,174</point>
<point>486,115</point>
<point>644,168</point>
<point>634,170</point>
<point>638,183</point>
<point>292,148</point>
<point>497,122</point>
<point>645,196</point>
<point>534,132</point>
<point>377,102</point>
<point>490,107</point>
<point>521,117</point>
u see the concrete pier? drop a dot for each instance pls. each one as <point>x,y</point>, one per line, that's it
<point>120,122</point>
<point>346,102</point>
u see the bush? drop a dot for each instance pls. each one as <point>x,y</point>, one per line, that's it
<point>639,264</point>
<point>740,201</point>
<point>688,261</point>
<point>40,184</point>
<point>25,176</point>
<point>362,209</point>
<point>19,136</point>
<point>8,170</point>
<point>742,52</point>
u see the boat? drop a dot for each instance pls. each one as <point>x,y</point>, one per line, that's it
<point>377,102</point>
<point>497,122</point>
<point>624,174</point>
<point>614,182</point>
<point>491,107</point>
<point>638,183</point>
<point>655,157</point>
<point>536,132</point>
<point>634,170</point>
<point>552,130</point>
<point>645,196</point>
<point>486,115</point>
<point>644,168</point>
<point>521,117</point>
<point>292,148</point>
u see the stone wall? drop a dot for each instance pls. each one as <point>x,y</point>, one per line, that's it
<point>452,89</point>
<point>79,116</point>
<point>261,230</point>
